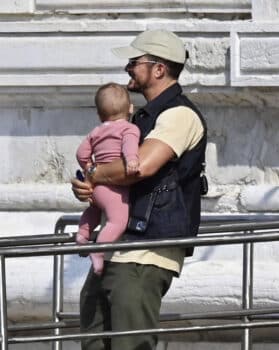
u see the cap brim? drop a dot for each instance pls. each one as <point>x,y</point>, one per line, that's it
<point>127,52</point>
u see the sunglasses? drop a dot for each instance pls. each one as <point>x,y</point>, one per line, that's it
<point>135,62</point>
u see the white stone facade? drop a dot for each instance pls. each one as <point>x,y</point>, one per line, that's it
<point>54,54</point>
<point>254,55</point>
<point>17,7</point>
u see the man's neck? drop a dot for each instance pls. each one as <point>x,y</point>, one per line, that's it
<point>155,91</point>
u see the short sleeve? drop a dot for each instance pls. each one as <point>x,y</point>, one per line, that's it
<point>178,127</point>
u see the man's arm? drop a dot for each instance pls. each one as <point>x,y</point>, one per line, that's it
<point>153,154</point>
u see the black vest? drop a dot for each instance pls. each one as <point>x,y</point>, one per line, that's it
<point>167,204</point>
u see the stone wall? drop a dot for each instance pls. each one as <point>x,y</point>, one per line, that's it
<point>54,55</point>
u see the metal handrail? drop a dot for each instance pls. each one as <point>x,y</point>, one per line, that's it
<point>61,243</point>
<point>71,248</point>
<point>71,319</point>
<point>158,331</point>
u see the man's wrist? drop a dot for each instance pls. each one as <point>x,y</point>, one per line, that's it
<point>90,172</point>
<point>92,169</point>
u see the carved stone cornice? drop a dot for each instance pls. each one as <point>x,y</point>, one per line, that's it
<point>145,6</point>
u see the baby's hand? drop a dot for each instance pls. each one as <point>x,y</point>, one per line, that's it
<point>132,166</point>
<point>81,240</point>
<point>97,260</point>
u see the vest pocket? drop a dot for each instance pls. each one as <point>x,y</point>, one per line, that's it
<point>161,213</point>
<point>169,216</point>
<point>140,212</point>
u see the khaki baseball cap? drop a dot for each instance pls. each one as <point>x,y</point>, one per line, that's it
<point>160,43</point>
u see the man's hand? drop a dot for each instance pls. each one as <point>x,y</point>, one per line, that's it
<point>82,190</point>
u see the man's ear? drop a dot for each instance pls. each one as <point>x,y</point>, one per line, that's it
<point>160,70</point>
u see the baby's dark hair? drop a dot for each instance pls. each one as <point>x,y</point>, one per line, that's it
<point>112,101</point>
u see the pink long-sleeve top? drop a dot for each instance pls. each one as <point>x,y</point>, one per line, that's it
<point>109,141</point>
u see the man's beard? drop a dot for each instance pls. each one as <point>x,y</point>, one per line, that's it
<point>132,86</point>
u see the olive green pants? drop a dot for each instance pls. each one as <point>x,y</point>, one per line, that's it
<point>126,297</point>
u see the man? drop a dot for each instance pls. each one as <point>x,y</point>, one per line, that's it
<point>164,198</point>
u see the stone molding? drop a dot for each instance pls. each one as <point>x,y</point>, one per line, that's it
<point>254,54</point>
<point>265,197</point>
<point>62,53</point>
<point>145,6</point>
<point>124,6</point>
<point>40,197</point>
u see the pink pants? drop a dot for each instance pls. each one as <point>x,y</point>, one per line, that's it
<point>113,201</point>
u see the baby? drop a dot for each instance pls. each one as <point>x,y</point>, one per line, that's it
<point>116,137</point>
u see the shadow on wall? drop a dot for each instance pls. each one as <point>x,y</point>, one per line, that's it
<point>244,136</point>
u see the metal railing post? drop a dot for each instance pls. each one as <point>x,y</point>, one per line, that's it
<point>247,291</point>
<point>58,284</point>
<point>3,305</point>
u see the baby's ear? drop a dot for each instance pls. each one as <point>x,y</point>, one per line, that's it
<point>131,108</point>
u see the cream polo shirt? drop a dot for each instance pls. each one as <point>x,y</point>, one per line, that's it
<point>181,129</point>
